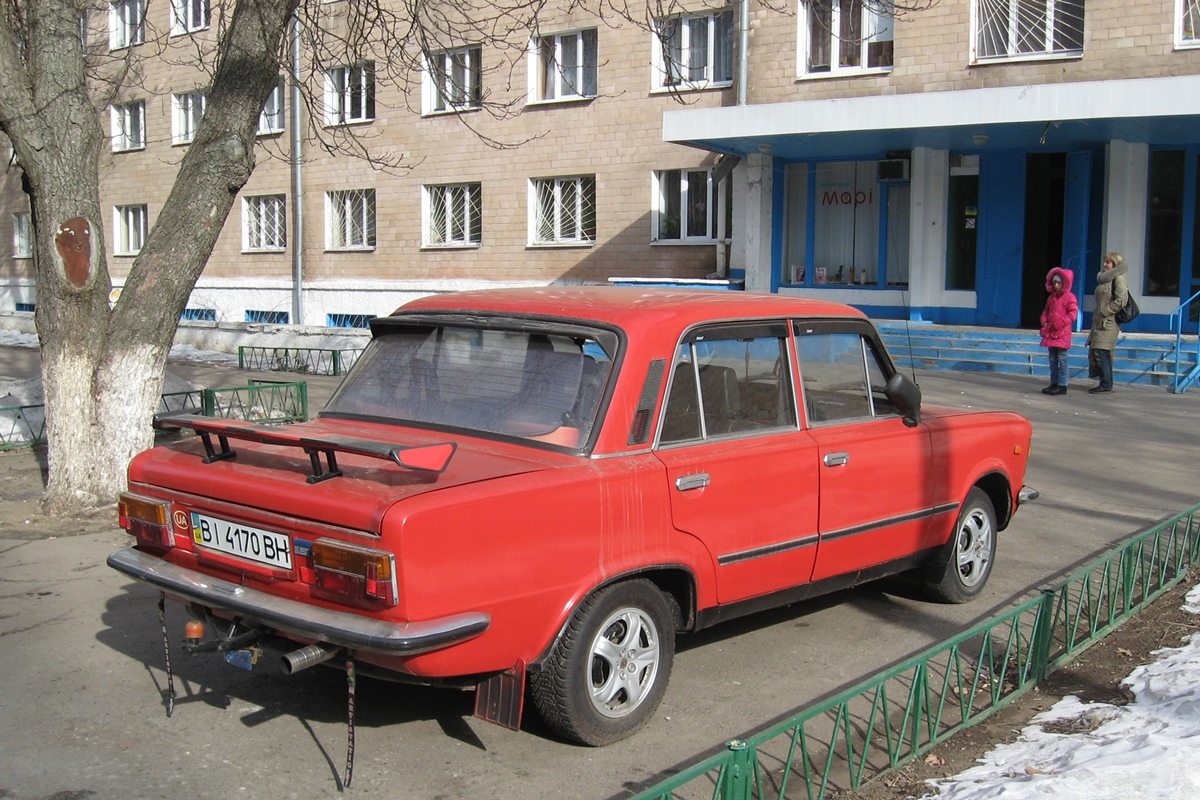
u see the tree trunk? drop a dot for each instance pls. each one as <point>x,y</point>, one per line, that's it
<point>102,364</point>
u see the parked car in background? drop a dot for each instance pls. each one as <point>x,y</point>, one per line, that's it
<point>548,485</point>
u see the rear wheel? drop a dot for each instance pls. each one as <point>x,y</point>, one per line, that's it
<point>962,568</point>
<point>609,671</point>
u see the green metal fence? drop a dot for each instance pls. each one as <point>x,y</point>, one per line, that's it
<point>258,401</point>
<point>304,360</point>
<point>903,712</point>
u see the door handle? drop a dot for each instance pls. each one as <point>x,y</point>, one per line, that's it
<point>696,481</point>
<point>837,459</point>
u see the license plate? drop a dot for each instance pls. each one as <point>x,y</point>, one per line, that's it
<point>265,547</point>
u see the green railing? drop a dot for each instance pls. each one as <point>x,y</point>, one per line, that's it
<point>903,712</point>
<point>22,426</point>
<point>259,401</point>
<point>305,360</point>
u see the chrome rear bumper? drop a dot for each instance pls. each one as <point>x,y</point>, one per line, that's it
<point>342,628</point>
<point>1028,495</point>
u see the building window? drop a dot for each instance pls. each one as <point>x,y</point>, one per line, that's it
<point>685,205</point>
<point>27,307</point>
<point>846,36</point>
<point>129,126</point>
<point>264,223</point>
<point>453,80</point>
<point>563,210</point>
<point>22,236</point>
<point>694,51</point>
<point>188,16</point>
<point>126,23</point>
<point>268,317</point>
<point>1023,29</point>
<point>1187,20</point>
<point>199,314</point>
<point>564,65</point>
<point>350,94</point>
<point>186,110</point>
<point>348,320</point>
<point>453,215</point>
<point>271,119</point>
<point>350,219</point>
<point>129,222</point>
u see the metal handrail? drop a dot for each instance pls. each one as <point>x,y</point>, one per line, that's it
<point>901,713</point>
<point>1180,384</point>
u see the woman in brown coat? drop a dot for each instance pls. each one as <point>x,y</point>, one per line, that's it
<point>1112,290</point>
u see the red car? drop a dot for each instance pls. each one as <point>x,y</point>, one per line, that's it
<point>550,484</point>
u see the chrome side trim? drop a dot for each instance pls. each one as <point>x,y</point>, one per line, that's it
<point>343,628</point>
<point>809,541</point>
<point>944,508</point>
<point>768,550</point>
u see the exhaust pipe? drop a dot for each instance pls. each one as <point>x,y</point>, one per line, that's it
<point>306,657</point>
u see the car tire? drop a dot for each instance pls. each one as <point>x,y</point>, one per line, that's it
<point>609,670</point>
<point>963,566</point>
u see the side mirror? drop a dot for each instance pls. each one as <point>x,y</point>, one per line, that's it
<point>906,397</point>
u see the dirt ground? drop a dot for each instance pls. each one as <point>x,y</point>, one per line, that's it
<point>1094,676</point>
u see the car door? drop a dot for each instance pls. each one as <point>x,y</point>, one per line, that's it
<point>741,474</point>
<point>875,473</point>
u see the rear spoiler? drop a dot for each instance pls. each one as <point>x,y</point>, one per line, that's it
<point>423,458</point>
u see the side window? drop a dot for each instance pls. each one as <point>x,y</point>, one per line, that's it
<point>730,381</point>
<point>841,377</point>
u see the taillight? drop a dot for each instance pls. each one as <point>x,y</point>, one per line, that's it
<point>147,519</point>
<point>361,573</point>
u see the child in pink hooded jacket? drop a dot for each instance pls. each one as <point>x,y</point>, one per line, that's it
<point>1058,320</point>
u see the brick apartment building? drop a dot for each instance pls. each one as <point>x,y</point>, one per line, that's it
<point>926,165</point>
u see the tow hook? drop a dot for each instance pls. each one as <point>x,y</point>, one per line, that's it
<point>240,650</point>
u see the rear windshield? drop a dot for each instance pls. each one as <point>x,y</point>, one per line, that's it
<point>542,386</point>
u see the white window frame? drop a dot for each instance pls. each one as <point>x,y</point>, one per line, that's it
<point>129,223</point>
<point>558,210</point>
<point>189,16</point>
<point>350,219</point>
<point>453,80</point>
<point>452,215</point>
<point>1014,48</point>
<point>126,23</point>
<point>549,80</point>
<point>271,119</point>
<point>350,93</point>
<point>264,223</point>
<point>187,109</point>
<point>22,235</point>
<point>661,229</point>
<point>1187,24</point>
<point>876,27</point>
<point>670,76</point>
<point>129,126</point>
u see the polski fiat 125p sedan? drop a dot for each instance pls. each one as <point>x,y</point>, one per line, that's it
<point>548,485</point>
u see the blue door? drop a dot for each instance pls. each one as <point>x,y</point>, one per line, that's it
<point>1001,239</point>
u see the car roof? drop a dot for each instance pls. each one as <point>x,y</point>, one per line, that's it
<point>631,306</point>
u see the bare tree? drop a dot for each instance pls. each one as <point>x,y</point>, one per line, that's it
<point>103,362</point>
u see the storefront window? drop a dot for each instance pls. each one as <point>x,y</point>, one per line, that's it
<point>847,225</point>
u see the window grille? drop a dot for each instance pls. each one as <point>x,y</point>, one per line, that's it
<point>1012,29</point>
<point>565,210</point>
<point>350,219</point>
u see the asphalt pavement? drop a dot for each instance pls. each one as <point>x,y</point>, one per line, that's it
<point>81,648</point>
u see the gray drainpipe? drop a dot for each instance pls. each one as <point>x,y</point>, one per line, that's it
<point>297,184</point>
<point>743,48</point>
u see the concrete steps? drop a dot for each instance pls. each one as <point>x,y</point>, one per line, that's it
<point>1138,358</point>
